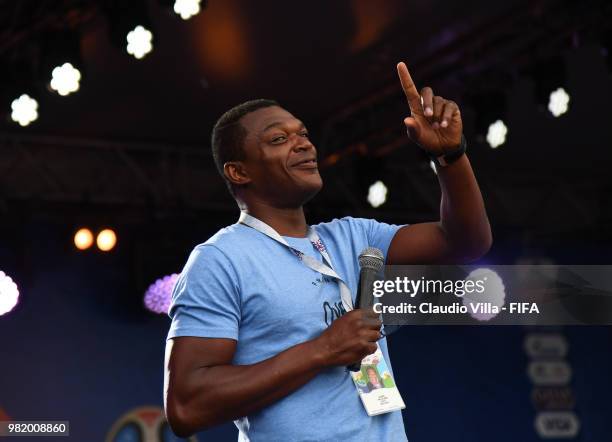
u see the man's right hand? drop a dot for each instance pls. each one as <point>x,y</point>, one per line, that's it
<point>350,338</point>
<point>203,387</point>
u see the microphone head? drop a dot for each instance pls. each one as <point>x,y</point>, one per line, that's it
<point>371,258</point>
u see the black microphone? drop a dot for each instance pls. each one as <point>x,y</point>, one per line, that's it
<point>371,262</point>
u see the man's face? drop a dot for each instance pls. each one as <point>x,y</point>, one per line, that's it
<point>280,159</point>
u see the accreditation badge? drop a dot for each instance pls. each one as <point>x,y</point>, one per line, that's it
<point>376,385</point>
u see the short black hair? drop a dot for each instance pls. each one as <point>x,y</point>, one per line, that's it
<point>228,134</point>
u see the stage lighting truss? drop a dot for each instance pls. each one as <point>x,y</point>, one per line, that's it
<point>65,79</point>
<point>377,194</point>
<point>187,8</point>
<point>139,42</point>
<point>24,110</point>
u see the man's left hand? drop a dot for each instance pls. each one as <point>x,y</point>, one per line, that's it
<point>435,123</point>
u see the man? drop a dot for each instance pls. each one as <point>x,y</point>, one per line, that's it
<point>251,340</point>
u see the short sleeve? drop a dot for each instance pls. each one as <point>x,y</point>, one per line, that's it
<point>206,300</point>
<point>379,234</point>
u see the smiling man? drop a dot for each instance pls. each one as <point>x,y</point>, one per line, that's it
<point>251,339</point>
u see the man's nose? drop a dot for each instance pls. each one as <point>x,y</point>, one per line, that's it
<point>303,144</point>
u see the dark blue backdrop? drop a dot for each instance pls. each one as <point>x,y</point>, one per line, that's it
<point>76,349</point>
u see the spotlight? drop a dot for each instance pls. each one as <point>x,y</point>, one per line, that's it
<point>83,239</point>
<point>62,66</point>
<point>159,294</point>
<point>490,104</point>
<point>494,292</point>
<point>24,110</point>
<point>130,28</point>
<point>65,79</point>
<point>187,8</point>
<point>549,76</point>
<point>496,135</point>
<point>106,240</point>
<point>9,294</point>
<point>24,76</point>
<point>139,42</point>
<point>558,103</point>
<point>377,194</point>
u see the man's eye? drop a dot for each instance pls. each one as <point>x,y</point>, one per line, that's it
<point>304,134</point>
<point>279,139</point>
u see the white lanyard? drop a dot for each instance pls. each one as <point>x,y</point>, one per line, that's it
<point>309,261</point>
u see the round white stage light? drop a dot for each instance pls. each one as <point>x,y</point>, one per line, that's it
<point>65,79</point>
<point>377,194</point>
<point>24,110</point>
<point>139,42</point>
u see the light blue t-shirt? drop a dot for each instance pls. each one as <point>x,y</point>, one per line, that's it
<point>243,285</point>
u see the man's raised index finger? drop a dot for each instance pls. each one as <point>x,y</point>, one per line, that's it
<point>412,95</point>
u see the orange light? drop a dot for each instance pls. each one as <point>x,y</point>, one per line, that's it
<point>215,38</point>
<point>106,240</point>
<point>83,239</point>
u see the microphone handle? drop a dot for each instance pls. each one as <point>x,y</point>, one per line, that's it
<point>365,298</point>
<point>365,291</point>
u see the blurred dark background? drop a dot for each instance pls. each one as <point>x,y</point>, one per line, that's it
<point>130,151</point>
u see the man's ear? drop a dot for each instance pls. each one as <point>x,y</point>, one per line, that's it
<point>236,173</point>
